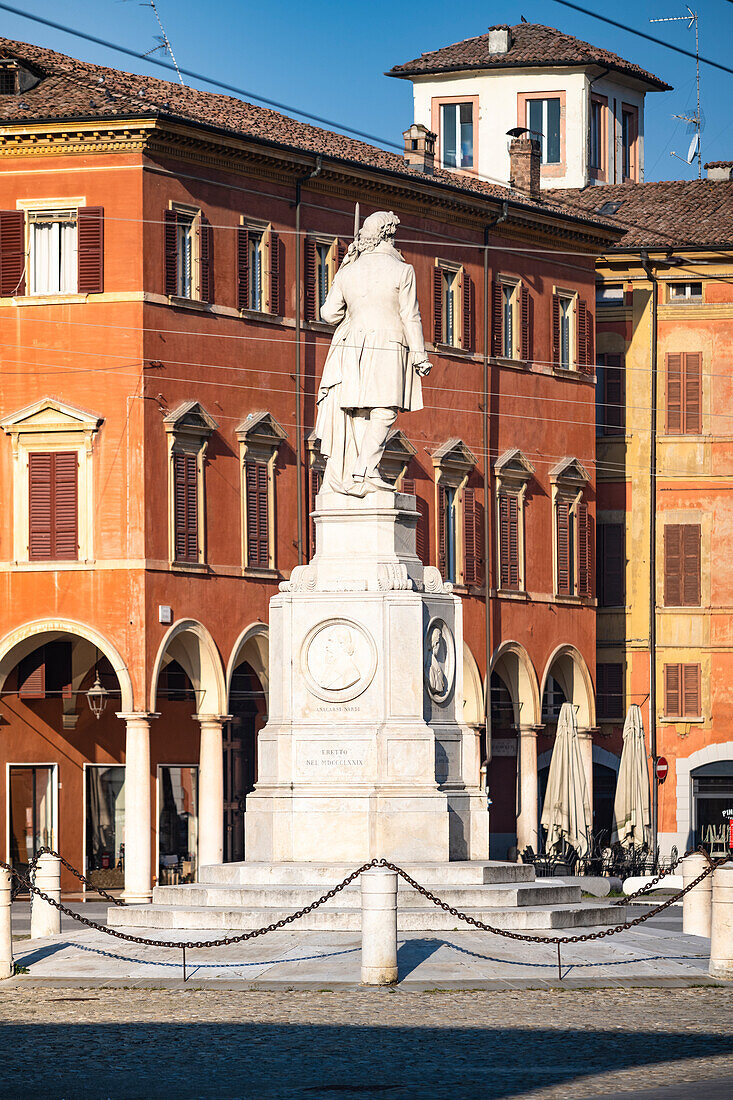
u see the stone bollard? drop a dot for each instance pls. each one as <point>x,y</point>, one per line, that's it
<point>697,905</point>
<point>6,935</point>
<point>721,931</point>
<point>378,927</point>
<point>45,918</point>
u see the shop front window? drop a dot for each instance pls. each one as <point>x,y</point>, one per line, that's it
<point>177,824</point>
<point>105,826</point>
<point>712,788</point>
<point>32,812</point>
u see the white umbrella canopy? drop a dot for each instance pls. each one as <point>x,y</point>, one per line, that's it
<point>566,813</point>
<point>632,817</point>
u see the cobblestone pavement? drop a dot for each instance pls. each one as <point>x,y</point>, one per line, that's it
<point>534,1044</point>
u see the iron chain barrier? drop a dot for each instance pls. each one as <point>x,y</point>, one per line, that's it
<point>225,941</point>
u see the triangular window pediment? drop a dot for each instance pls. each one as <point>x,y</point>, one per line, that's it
<point>50,415</point>
<point>190,418</point>
<point>262,428</point>
<point>569,471</point>
<point>514,466</point>
<point>454,454</point>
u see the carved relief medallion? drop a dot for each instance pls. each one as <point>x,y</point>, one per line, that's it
<point>339,659</point>
<point>439,665</point>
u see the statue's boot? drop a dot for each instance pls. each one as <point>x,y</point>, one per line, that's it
<point>366,467</point>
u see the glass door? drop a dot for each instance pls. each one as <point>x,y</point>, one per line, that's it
<point>105,826</point>
<point>178,823</point>
<point>32,812</point>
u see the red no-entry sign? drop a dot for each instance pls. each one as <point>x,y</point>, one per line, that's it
<point>660,769</point>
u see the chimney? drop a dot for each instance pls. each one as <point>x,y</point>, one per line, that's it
<point>719,169</point>
<point>500,40</point>
<point>420,148</point>
<point>524,165</point>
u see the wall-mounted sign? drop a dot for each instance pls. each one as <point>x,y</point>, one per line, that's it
<point>661,768</point>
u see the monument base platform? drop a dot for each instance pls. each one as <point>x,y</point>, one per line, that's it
<point>241,896</point>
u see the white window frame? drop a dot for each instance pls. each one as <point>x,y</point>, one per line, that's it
<point>54,207</point>
<point>543,137</point>
<point>264,231</point>
<point>570,298</point>
<point>194,214</point>
<point>688,296</point>
<point>510,297</point>
<point>456,107</point>
<point>53,765</point>
<point>451,284</point>
<point>90,764</point>
<point>195,767</point>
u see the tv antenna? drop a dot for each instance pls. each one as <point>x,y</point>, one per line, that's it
<point>694,122</point>
<point>162,39</point>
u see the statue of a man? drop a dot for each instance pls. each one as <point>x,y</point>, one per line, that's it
<point>375,361</point>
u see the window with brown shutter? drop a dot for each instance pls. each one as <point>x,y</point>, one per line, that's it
<point>206,260</point>
<point>497,328</point>
<point>468,301</point>
<point>258,514</point>
<point>556,351</point>
<point>90,254</point>
<point>315,481</point>
<point>473,557</point>
<point>611,561</point>
<point>32,675</point>
<point>185,507</point>
<point>12,253</point>
<point>525,307</point>
<point>409,486</point>
<point>684,393</point>
<point>682,696</point>
<point>509,541</point>
<point>682,563</point>
<point>170,257</point>
<point>609,691</point>
<point>274,303</point>
<point>242,267</point>
<point>53,506</point>
<point>563,548</point>
<point>309,279</point>
<point>611,413</point>
<point>585,550</point>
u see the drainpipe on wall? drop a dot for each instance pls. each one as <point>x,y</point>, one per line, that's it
<point>651,275</point>
<point>316,171</point>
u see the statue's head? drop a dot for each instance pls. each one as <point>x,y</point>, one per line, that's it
<point>378,227</point>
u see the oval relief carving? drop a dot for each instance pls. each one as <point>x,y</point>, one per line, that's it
<point>339,659</point>
<point>440,660</point>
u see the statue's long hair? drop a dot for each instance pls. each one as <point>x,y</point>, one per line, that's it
<point>382,228</point>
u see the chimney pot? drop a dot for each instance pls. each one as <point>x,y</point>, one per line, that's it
<point>500,40</point>
<point>420,147</point>
<point>719,170</point>
<point>524,165</point>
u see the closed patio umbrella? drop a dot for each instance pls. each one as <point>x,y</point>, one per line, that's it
<point>632,818</point>
<point>566,813</point>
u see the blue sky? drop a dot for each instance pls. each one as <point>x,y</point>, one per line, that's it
<point>329,57</point>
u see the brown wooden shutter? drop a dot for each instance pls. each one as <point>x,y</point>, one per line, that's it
<point>315,480</point>
<point>90,249</point>
<point>470,562</point>
<point>340,253</point>
<point>691,707</point>
<point>275,273</point>
<point>12,253</point>
<point>590,343</point>
<point>674,394</point>
<point>690,550</point>
<point>206,247</point>
<point>672,693</point>
<point>562,514</point>
<point>585,549</point>
<point>32,675</point>
<point>692,393</point>
<point>442,533</point>
<point>258,514</point>
<point>409,486</point>
<point>672,565</point>
<point>497,326</point>
<point>185,506</point>
<point>65,506</point>
<point>614,418</point>
<point>170,253</point>
<point>581,335</point>
<point>243,267</point>
<point>555,330</point>
<point>437,306</point>
<point>40,507</point>
<point>508,541</point>
<point>309,279</point>
<point>609,691</point>
<point>467,291</point>
<point>525,309</point>
<point>611,564</point>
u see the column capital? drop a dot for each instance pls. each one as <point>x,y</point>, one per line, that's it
<point>213,717</point>
<point>137,715</point>
<point>529,729</point>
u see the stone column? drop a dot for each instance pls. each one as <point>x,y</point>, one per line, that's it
<point>378,926</point>
<point>527,812</point>
<point>697,905</point>
<point>721,930</point>
<point>585,737</point>
<point>46,918</point>
<point>211,789</point>
<point>6,934</point>
<point>138,820</point>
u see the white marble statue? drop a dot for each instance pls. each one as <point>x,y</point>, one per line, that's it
<point>375,361</point>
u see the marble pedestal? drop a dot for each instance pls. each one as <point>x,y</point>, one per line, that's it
<point>364,753</point>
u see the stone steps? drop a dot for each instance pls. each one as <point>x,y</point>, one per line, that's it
<point>414,919</point>
<point>427,874</point>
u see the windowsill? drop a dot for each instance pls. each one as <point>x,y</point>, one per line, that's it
<point>189,303</point>
<point>685,302</point>
<point>49,299</point>
<point>683,437</point>
<point>189,566</point>
<point>261,315</point>
<point>451,349</point>
<point>52,566</point>
<point>256,573</point>
<point>614,607</point>
<point>613,437</point>
<point>572,374</point>
<point>319,326</point>
<point>512,594</point>
<point>667,721</point>
<point>513,364</point>
<point>576,601</point>
<point>679,609</point>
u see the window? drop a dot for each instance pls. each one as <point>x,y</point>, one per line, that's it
<point>513,472</point>
<point>610,692</point>
<point>189,428</point>
<point>629,143</point>
<point>52,251</point>
<point>409,486</point>
<point>679,293</point>
<point>258,268</point>
<point>52,506</point>
<point>573,332</point>
<point>598,136</point>
<point>177,824</point>
<point>573,549</point>
<point>543,119</point>
<point>65,250</point>
<point>682,691</point>
<point>684,393</point>
<point>511,328</point>
<point>682,564</point>
<point>105,825</point>
<point>509,512</point>
<point>189,258</point>
<point>447,550</point>
<point>610,395</point>
<point>611,565</point>
<point>322,259</point>
<point>32,804</point>
<point>459,526</point>
<point>259,436</point>
<point>46,672</point>
<point>609,294</point>
<point>564,330</point>
<point>186,507</point>
<point>456,135</point>
<point>452,306</point>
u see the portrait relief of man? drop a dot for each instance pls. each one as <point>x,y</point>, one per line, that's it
<point>339,669</point>
<point>376,359</point>
<point>434,671</point>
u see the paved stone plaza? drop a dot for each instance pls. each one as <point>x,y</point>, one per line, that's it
<point>540,1044</point>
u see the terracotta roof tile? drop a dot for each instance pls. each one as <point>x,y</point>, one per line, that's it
<point>670,214</point>
<point>532,44</point>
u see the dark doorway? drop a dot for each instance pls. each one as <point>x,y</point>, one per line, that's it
<point>248,708</point>
<point>604,793</point>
